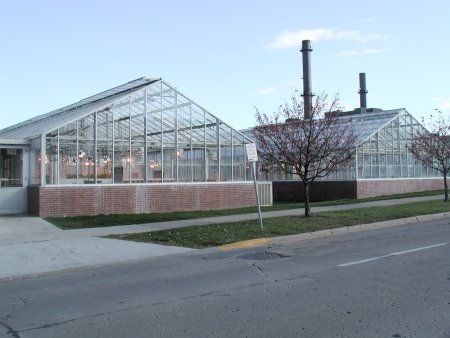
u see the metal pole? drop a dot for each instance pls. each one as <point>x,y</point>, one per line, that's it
<point>257,194</point>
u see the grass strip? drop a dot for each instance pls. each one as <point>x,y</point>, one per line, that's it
<point>81,222</point>
<point>220,234</point>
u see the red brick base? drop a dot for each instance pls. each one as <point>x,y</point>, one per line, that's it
<point>372,188</point>
<point>60,201</point>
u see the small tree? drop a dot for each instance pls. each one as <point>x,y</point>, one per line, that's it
<point>433,148</point>
<point>310,148</point>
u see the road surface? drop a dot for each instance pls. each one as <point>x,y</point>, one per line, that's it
<point>392,282</point>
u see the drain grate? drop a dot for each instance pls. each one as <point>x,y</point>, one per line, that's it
<point>260,255</point>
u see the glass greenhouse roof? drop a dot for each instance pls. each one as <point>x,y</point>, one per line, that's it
<point>364,125</point>
<point>367,124</point>
<point>38,125</point>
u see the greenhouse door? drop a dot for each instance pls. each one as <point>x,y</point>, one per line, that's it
<point>13,184</point>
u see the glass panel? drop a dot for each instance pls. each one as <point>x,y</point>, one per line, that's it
<point>137,123</point>
<point>68,161</point>
<point>68,132</point>
<point>137,163</point>
<point>212,150</point>
<point>104,126</point>
<point>86,128</point>
<point>122,121</point>
<point>169,164</point>
<point>104,162</point>
<point>389,171</point>
<point>169,140</point>
<point>239,159</point>
<point>35,161</point>
<point>121,169</point>
<point>226,155</point>
<point>198,160</point>
<point>154,166</point>
<point>68,156</point>
<point>51,158</point>
<point>366,172</point>
<point>86,162</point>
<point>184,153</point>
<point>184,165</point>
<point>382,171</point>
<point>198,143</point>
<point>198,129</point>
<point>411,170</point>
<point>375,173</point>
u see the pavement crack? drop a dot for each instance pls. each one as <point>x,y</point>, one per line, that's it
<point>262,272</point>
<point>216,293</point>
<point>11,331</point>
<point>46,326</point>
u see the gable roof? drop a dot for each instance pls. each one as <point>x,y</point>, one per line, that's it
<point>43,123</point>
<point>367,124</point>
<point>364,124</point>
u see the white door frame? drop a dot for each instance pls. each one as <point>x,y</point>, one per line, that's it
<point>13,200</point>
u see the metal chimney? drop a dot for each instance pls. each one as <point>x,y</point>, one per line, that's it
<point>362,92</point>
<point>307,94</point>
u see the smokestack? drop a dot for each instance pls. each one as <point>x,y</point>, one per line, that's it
<point>307,94</point>
<point>362,92</point>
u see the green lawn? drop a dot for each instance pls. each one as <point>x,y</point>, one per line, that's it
<point>220,234</point>
<point>81,222</point>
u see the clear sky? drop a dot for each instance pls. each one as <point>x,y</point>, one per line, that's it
<point>228,56</point>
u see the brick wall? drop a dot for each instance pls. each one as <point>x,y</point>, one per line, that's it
<point>371,188</point>
<point>331,190</point>
<point>131,199</point>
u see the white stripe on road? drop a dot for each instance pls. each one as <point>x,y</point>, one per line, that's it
<point>392,254</point>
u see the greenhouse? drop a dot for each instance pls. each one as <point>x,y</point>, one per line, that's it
<point>381,163</point>
<point>145,147</point>
<point>142,132</point>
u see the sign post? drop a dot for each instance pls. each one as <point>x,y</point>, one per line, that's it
<point>252,156</point>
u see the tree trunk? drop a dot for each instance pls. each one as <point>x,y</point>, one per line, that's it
<point>445,187</point>
<point>307,207</point>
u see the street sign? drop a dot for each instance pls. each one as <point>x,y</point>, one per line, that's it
<point>252,154</point>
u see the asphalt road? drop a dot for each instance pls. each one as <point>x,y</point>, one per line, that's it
<point>392,282</point>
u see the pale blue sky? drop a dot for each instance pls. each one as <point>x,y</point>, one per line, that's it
<point>228,56</point>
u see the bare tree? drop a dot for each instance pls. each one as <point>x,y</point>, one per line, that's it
<point>433,148</point>
<point>309,147</point>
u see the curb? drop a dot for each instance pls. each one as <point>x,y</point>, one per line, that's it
<point>246,244</point>
<point>291,239</point>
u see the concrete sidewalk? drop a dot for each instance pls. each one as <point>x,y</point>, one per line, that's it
<point>30,245</point>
